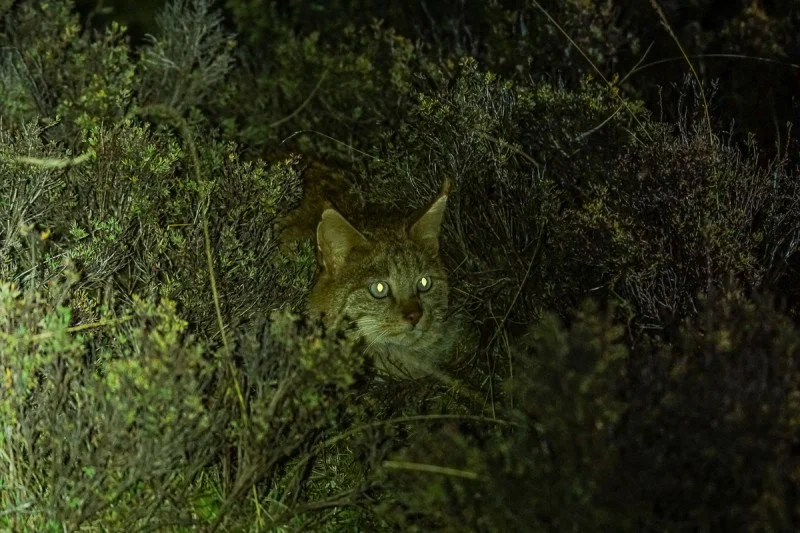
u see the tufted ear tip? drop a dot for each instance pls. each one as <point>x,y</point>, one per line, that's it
<point>425,229</point>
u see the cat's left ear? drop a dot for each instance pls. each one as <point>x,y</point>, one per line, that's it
<point>336,237</point>
<point>425,230</point>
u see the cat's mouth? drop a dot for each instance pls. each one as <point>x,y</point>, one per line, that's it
<point>408,336</point>
<point>396,333</point>
<point>411,335</point>
<point>402,337</point>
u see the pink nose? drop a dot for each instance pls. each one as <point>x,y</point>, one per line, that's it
<point>413,316</point>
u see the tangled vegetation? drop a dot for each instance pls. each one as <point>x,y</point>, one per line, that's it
<point>622,240</point>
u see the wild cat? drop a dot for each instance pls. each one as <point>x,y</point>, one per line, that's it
<point>379,271</point>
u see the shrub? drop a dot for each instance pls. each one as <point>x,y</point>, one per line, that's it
<point>154,374</point>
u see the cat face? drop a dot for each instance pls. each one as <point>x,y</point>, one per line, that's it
<point>395,292</point>
<point>389,280</point>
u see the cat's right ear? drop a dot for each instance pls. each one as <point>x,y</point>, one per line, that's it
<point>425,230</point>
<point>335,238</point>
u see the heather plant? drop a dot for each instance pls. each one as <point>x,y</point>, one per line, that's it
<point>691,428</point>
<point>189,59</point>
<point>101,422</point>
<point>722,383</point>
<point>104,205</point>
<point>744,47</point>
<point>547,465</point>
<point>309,93</point>
<point>677,211</point>
<point>623,365</point>
<point>56,74</point>
<point>80,444</point>
<point>354,66</point>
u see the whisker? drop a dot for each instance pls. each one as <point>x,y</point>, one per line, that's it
<point>376,339</point>
<point>371,329</point>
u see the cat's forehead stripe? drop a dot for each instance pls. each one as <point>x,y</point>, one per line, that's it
<point>403,264</point>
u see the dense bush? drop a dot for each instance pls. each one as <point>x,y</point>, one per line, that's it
<point>625,266</point>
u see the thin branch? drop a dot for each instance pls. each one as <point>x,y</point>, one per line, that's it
<point>665,23</point>
<point>639,68</point>
<point>431,469</point>
<point>332,139</point>
<point>591,63</point>
<point>52,162</point>
<point>294,113</point>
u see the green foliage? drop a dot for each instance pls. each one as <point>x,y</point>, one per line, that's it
<point>79,408</point>
<point>55,71</point>
<point>155,374</point>
<point>672,214</point>
<point>102,420</point>
<point>307,85</point>
<point>608,439</point>
<point>551,470</point>
<point>190,59</point>
<point>722,387</point>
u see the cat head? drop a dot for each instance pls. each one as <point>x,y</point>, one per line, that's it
<point>388,279</point>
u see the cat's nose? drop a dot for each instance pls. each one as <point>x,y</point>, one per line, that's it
<point>413,316</point>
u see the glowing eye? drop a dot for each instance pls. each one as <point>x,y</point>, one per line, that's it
<point>379,289</point>
<point>424,284</point>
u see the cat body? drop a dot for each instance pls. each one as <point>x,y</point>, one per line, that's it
<point>380,271</point>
